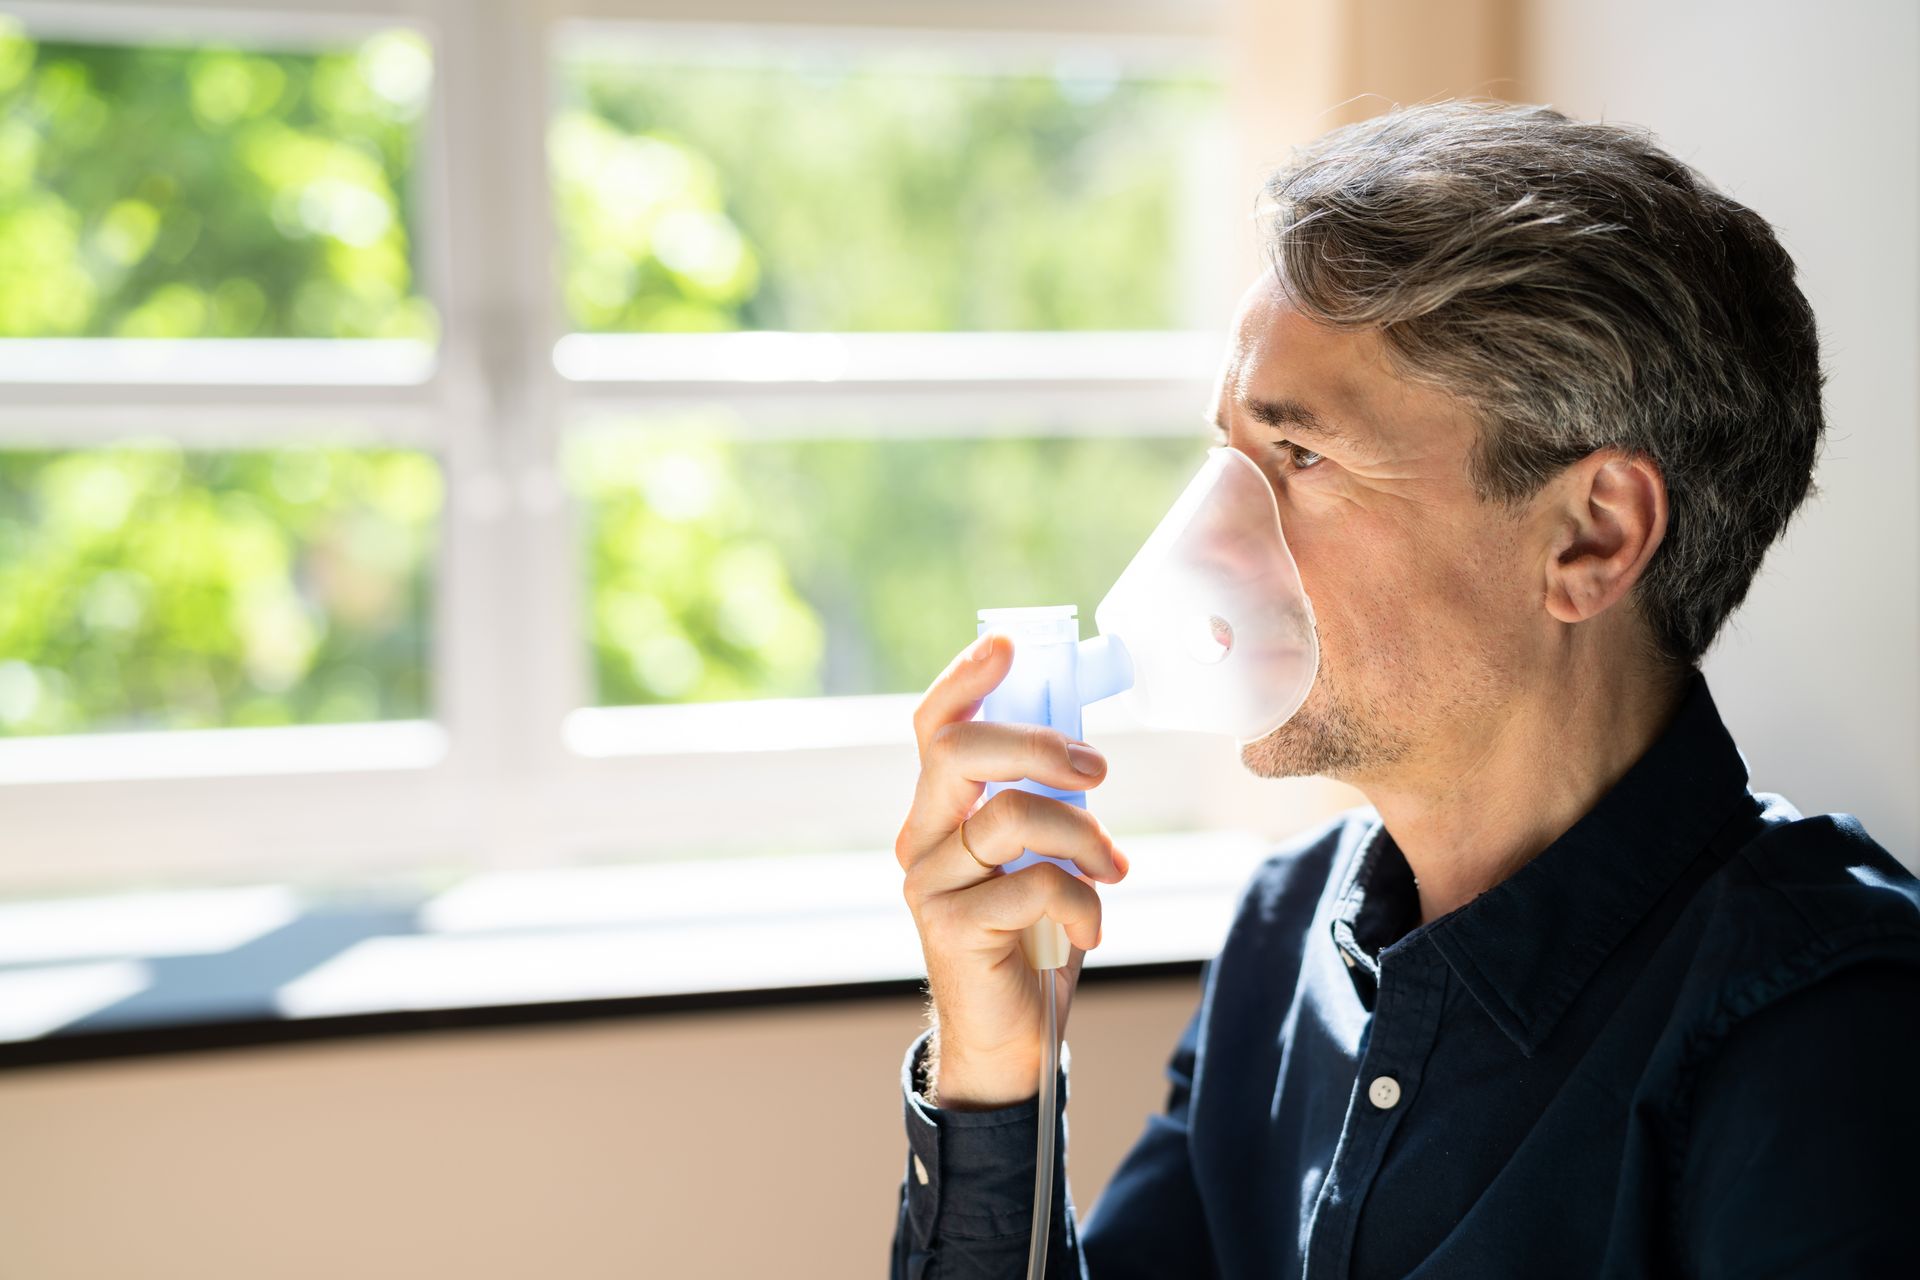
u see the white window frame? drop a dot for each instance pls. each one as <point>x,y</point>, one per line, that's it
<point>516,768</point>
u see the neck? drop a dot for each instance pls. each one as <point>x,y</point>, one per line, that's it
<point>1496,790</point>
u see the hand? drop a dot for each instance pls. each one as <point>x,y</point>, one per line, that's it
<point>989,1021</point>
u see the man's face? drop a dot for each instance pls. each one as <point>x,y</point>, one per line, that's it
<point>1428,599</point>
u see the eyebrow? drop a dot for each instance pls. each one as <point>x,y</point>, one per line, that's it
<point>1288,413</point>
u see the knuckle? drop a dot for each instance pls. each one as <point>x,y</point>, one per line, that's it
<point>927,722</point>
<point>1017,807</point>
<point>1005,812</point>
<point>1054,884</point>
<point>1072,892</point>
<point>936,917</point>
<point>1040,743</point>
<point>945,740</point>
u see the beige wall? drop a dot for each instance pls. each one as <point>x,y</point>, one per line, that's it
<point>739,1144</point>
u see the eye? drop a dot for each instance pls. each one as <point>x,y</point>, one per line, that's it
<point>1301,456</point>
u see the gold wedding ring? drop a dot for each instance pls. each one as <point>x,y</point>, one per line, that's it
<point>969,848</point>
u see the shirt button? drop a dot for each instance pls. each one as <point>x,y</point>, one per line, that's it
<point>920,1170</point>
<point>1384,1092</point>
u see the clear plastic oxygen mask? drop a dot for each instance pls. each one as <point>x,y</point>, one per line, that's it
<point>1210,614</point>
<point>1208,629</point>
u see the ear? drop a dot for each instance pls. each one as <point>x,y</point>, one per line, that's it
<point>1611,517</point>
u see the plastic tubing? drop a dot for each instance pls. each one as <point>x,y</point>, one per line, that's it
<point>1049,1121</point>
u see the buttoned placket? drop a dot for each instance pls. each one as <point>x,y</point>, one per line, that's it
<point>1406,1021</point>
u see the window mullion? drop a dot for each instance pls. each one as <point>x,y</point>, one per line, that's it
<point>509,659</point>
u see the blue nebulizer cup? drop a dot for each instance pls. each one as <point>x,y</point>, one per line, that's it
<point>1054,675</point>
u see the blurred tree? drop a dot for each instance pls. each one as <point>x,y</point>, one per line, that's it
<point>727,568</point>
<point>144,586</point>
<point>872,192</point>
<point>153,192</point>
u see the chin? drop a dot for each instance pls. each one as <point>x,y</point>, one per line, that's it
<point>1324,738</point>
<point>1297,749</point>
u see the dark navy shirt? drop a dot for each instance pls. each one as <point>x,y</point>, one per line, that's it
<point>1683,1040</point>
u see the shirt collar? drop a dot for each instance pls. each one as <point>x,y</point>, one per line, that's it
<point>1526,947</point>
<point>1377,904</point>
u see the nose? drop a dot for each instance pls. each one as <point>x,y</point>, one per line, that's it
<point>1236,525</point>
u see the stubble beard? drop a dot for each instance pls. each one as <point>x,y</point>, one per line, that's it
<point>1329,737</point>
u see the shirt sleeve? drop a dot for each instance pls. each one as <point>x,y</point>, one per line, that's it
<point>966,1201</point>
<point>1802,1156</point>
<point>966,1204</point>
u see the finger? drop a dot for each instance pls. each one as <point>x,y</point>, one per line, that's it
<point>1007,904</point>
<point>1004,827</point>
<point>962,757</point>
<point>957,692</point>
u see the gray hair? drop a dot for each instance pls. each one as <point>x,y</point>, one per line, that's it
<point>1582,290</point>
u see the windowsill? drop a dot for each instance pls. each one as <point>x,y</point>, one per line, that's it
<point>169,972</point>
<point>223,753</point>
<point>758,725</point>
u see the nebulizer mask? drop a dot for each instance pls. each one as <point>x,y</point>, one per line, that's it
<point>1208,629</point>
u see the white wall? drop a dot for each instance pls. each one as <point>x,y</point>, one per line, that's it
<point>1810,114</point>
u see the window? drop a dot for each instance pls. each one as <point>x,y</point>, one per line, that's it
<point>797,183</point>
<point>153,194</point>
<point>440,442</point>
<point>800,183</point>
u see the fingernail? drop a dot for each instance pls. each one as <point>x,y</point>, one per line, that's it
<point>981,648</point>
<point>1085,759</point>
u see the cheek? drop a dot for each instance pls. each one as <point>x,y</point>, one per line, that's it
<point>1363,581</point>
<point>1402,592</point>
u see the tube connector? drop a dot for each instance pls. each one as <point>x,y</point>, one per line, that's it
<point>1045,944</point>
<point>1105,668</point>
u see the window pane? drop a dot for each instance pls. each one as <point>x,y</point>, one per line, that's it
<point>724,567</point>
<point>857,190</point>
<point>165,192</point>
<point>149,587</point>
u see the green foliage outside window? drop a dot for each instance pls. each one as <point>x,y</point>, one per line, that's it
<point>823,194</point>
<point>152,192</point>
<point>880,194</point>
<point>211,192</point>
<point>727,568</point>
<point>148,587</point>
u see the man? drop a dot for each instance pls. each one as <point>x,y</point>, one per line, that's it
<point>1566,998</point>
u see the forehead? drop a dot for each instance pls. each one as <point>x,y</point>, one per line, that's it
<point>1344,379</point>
<point>1278,354</point>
